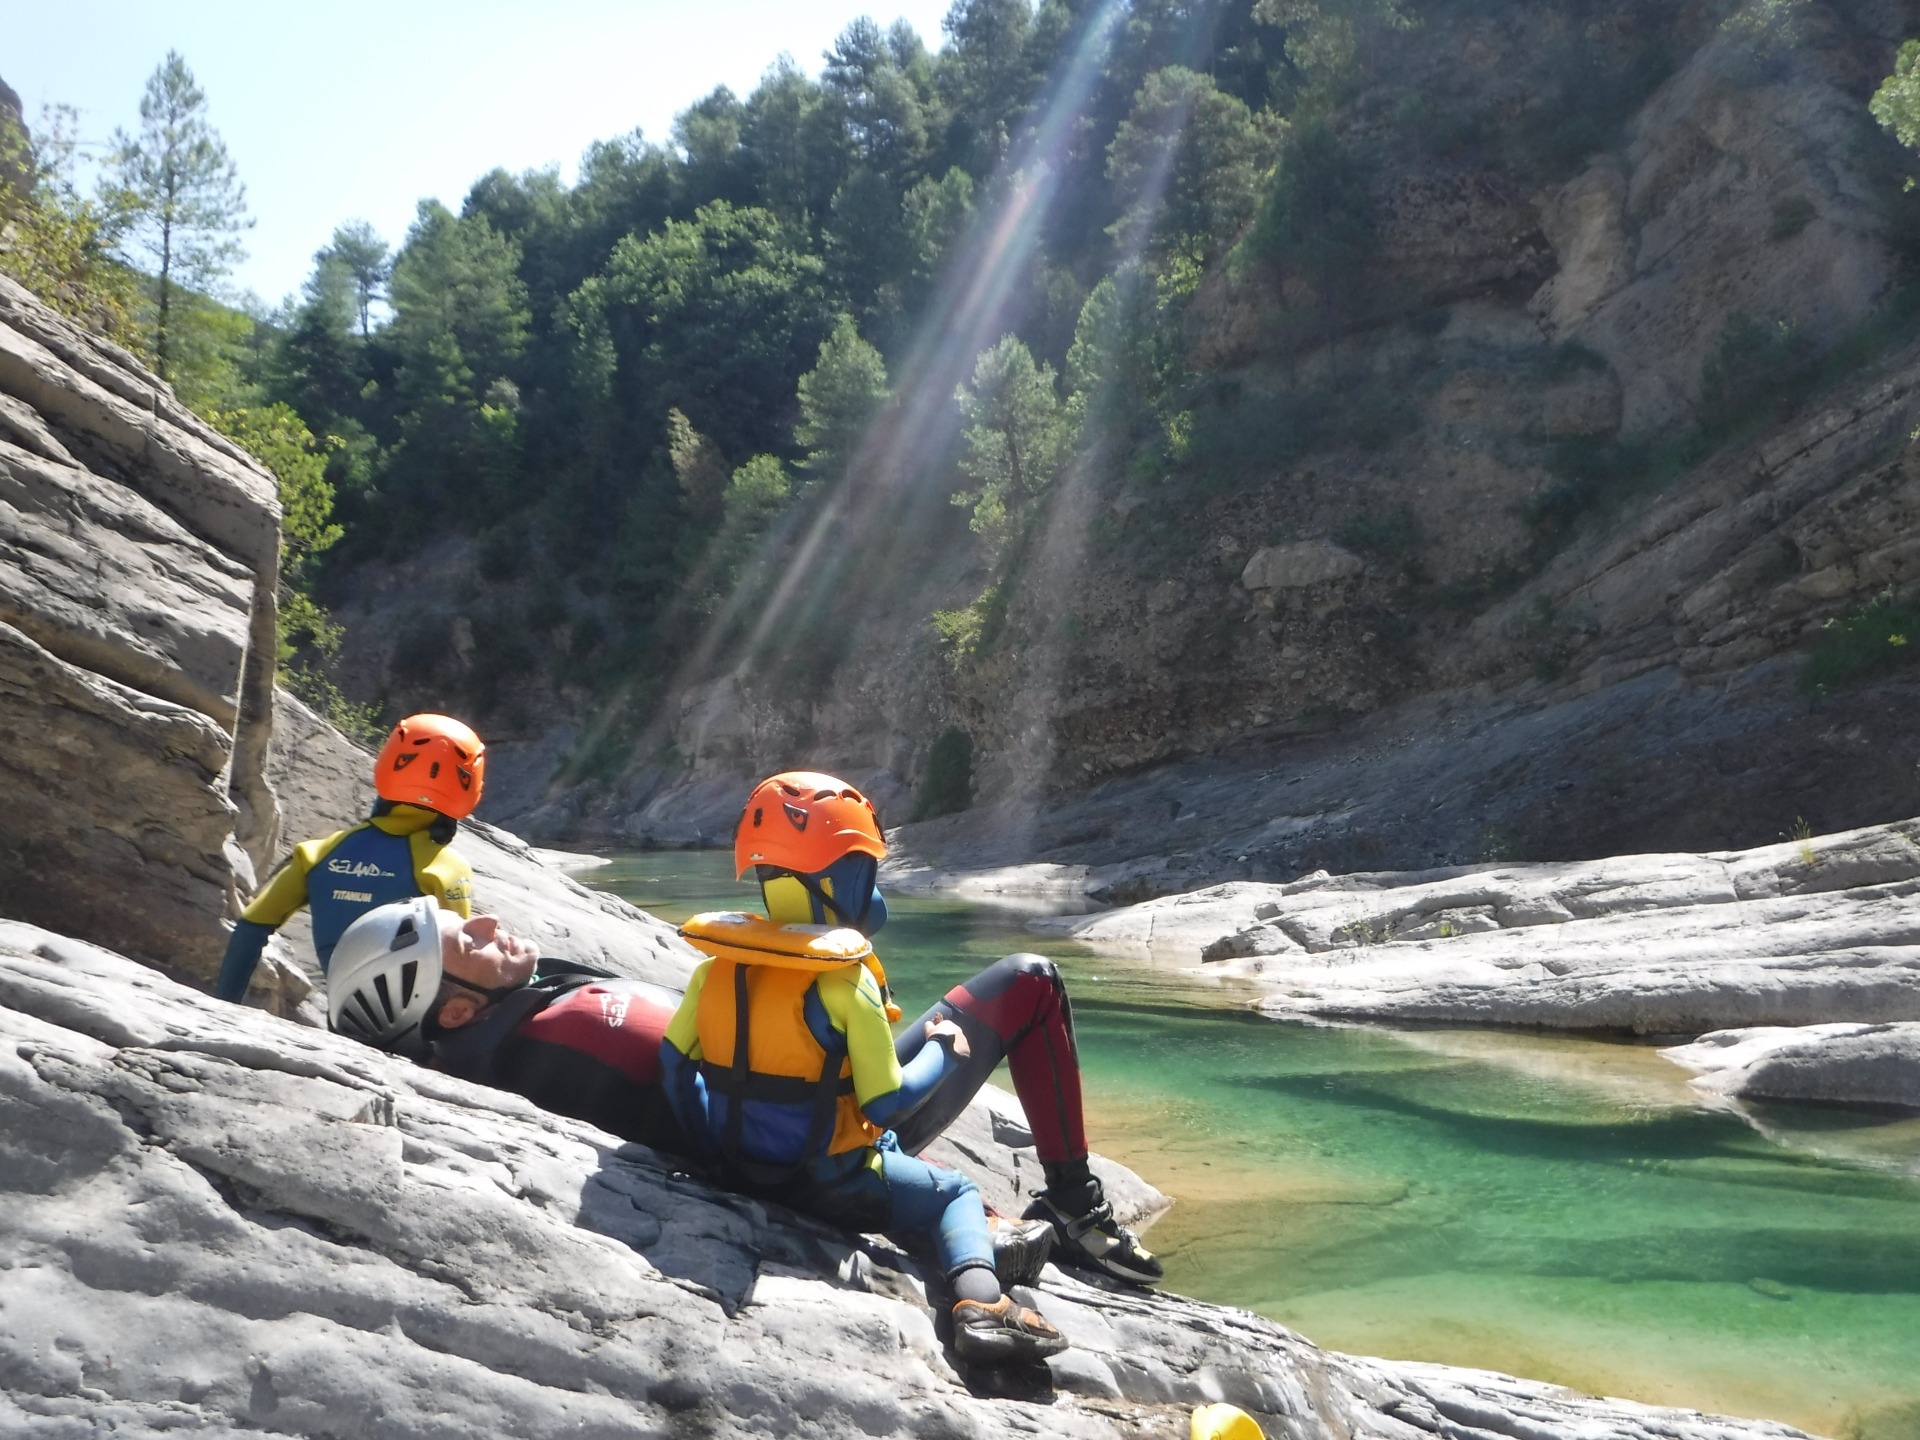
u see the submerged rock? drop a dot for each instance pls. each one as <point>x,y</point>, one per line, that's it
<point>1818,930</point>
<point>215,1222</point>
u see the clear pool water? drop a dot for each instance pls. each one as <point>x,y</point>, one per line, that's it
<point>1551,1206</point>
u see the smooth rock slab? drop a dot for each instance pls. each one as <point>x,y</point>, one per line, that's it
<point>215,1222</point>
<point>1826,929</point>
<point>1841,1064</point>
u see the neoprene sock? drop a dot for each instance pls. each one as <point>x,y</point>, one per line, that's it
<point>1071,1186</point>
<point>976,1282</point>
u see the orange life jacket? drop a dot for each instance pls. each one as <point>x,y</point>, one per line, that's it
<point>755,1042</point>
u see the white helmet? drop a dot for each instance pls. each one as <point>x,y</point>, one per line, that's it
<point>385,973</point>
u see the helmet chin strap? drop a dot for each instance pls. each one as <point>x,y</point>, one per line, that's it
<point>827,903</point>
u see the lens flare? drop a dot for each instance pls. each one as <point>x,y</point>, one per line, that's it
<point>896,485</point>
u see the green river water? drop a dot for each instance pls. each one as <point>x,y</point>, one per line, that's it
<point>1557,1207</point>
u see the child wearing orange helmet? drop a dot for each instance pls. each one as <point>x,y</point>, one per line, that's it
<point>428,776</point>
<point>740,1056</point>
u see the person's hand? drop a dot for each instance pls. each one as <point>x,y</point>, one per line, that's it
<point>952,1034</point>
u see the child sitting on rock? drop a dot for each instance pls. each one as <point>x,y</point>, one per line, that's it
<point>783,1070</point>
<point>428,776</point>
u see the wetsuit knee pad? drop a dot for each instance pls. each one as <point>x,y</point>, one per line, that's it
<point>1038,967</point>
<point>1007,972</point>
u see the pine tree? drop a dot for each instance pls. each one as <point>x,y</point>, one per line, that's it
<point>362,254</point>
<point>184,195</point>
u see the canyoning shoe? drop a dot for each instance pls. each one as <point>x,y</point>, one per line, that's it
<point>1003,1333</point>
<point>1020,1249</point>
<point>1096,1241</point>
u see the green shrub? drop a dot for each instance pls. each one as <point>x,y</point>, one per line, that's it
<point>1791,215</point>
<point>1880,635</point>
<point>1757,371</point>
<point>1393,536</point>
<point>948,786</point>
<point>359,723</point>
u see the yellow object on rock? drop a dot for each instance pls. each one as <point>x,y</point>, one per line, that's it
<point>1225,1422</point>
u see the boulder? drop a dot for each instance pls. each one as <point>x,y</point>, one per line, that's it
<point>1298,565</point>
<point>1818,930</point>
<point>1838,1064</point>
<point>215,1222</point>
<point>139,555</point>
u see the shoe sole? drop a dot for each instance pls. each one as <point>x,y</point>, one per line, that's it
<point>1032,1259</point>
<point>1002,1348</point>
<point>1112,1272</point>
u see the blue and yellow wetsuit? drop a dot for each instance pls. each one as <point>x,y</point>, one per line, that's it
<point>854,1181</point>
<point>401,852</point>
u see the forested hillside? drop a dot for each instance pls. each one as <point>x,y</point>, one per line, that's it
<point>1096,385</point>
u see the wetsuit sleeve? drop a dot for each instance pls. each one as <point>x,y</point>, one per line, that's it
<point>442,873</point>
<point>271,908</point>
<point>919,1078</point>
<point>286,892</point>
<point>242,957</point>
<point>857,1010</point>
<point>680,1078</point>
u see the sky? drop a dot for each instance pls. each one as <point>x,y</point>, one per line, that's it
<point>359,110</point>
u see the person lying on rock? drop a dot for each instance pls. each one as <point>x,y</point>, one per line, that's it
<point>480,1004</point>
<point>428,776</point>
<point>783,1069</point>
<point>469,997</point>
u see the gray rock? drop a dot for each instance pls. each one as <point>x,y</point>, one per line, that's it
<point>1817,930</point>
<point>139,556</point>
<point>214,1222</point>
<point>117,820</point>
<point>1839,1064</point>
<point>1295,566</point>
<point>107,580</point>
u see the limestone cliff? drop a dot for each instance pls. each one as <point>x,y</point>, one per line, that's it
<point>1542,584</point>
<point>139,557</point>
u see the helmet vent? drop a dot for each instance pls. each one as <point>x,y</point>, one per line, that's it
<point>409,972</point>
<point>366,1020</point>
<point>796,815</point>
<point>386,999</point>
<point>403,759</point>
<point>404,934</point>
<point>757,813</point>
<point>434,772</point>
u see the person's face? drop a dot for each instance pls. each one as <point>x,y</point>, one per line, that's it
<point>482,953</point>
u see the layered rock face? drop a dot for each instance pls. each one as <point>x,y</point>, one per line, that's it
<point>214,1222</point>
<point>1816,931</point>
<point>139,555</point>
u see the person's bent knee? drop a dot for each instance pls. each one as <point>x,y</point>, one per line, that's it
<point>1038,966</point>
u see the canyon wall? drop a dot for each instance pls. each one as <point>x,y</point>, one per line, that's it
<point>139,558</point>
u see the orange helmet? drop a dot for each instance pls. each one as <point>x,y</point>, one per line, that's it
<point>803,821</point>
<point>432,760</point>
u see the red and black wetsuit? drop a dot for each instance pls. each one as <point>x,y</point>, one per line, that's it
<point>587,1045</point>
<point>576,1043</point>
<point>1014,1010</point>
